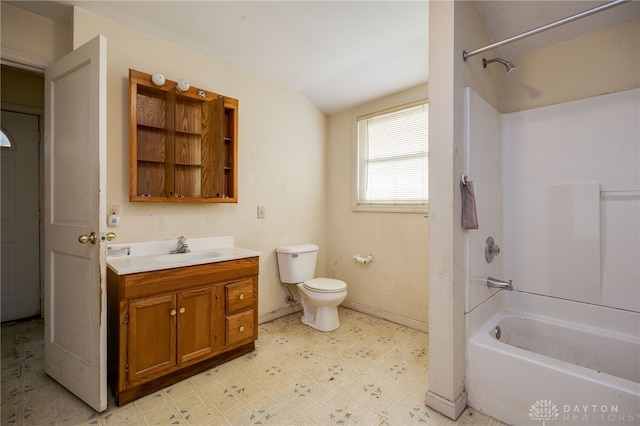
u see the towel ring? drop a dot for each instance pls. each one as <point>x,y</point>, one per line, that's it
<point>464,179</point>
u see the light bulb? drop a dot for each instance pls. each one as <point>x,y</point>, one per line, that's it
<point>158,79</point>
<point>183,85</point>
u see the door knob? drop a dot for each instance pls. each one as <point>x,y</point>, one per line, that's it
<point>110,236</point>
<point>173,312</point>
<point>84,239</point>
<point>182,310</point>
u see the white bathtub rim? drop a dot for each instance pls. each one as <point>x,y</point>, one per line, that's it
<point>496,309</point>
<point>511,407</point>
<point>597,331</point>
<point>496,305</point>
<point>564,367</point>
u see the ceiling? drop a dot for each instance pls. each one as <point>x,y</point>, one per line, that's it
<point>340,54</point>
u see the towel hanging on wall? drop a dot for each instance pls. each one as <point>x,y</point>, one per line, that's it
<point>469,215</point>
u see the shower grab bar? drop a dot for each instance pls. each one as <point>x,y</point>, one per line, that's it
<point>620,193</point>
<point>534,31</point>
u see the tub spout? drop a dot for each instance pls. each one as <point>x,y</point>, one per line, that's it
<point>496,283</point>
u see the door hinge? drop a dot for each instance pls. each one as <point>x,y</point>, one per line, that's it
<point>126,318</point>
<point>126,367</point>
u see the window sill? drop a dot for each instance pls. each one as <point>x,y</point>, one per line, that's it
<point>384,208</point>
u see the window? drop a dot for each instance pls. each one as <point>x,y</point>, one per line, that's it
<point>392,159</point>
<point>5,141</point>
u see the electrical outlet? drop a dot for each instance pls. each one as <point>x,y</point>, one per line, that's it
<point>260,212</point>
<point>113,209</point>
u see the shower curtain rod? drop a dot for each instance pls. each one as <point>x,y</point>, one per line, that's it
<point>534,31</point>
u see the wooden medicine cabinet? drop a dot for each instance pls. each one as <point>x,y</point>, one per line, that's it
<point>183,146</point>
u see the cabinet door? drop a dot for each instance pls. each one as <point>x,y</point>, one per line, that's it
<point>196,326</point>
<point>152,338</point>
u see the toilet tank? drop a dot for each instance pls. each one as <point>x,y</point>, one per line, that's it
<point>297,263</point>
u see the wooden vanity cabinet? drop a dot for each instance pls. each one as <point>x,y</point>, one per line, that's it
<point>183,146</point>
<point>164,326</point>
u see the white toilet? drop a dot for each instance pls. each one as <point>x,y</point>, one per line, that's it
<point>320,297</point>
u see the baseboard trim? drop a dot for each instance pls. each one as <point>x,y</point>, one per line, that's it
<point>451,409</point>
<point>389,316</point>
<point>279,313</point>
<point>374,312</point>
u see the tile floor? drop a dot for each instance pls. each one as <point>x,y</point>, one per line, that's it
<point>369,372</point>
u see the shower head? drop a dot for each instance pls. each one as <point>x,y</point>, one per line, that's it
<point>508,65</point>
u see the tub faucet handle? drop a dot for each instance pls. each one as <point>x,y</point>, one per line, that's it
<point>491,249</point>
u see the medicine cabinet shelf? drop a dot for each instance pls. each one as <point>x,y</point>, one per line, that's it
<point>183,146</point>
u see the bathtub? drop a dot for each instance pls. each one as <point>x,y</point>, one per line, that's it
<point>556,362</point>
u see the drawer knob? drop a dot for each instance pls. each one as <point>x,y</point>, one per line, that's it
<point>242,328</point>
<point>182,310</point>
<point>241,297</point>
<point>173,312</point>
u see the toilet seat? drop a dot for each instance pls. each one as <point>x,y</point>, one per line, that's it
<point>325,285</point>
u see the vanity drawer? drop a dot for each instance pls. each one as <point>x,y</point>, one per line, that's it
<point>240,328</point>
<point>239,296</point>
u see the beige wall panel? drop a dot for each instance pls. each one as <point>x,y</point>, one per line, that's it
<point>453,27</point>
<point>32,39</point>
<point>603,62</point>
<point>395,284</point>
<point>282,159</point>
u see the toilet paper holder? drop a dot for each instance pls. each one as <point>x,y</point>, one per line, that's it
<point>363,260</point>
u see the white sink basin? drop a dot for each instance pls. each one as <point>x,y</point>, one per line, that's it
<point>187,257</point>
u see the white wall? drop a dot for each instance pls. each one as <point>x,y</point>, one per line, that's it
<point>566,179</point>
<point>563,238</point>
<point>483,159</point>
<point>282,156</point>
<point>395,285</point>
<point>576,70</point>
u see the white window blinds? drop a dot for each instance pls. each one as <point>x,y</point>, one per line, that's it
<point>393,159</point>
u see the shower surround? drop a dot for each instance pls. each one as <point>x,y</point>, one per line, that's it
<point>558,188</point>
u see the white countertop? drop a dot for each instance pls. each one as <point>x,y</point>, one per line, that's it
<point>131,258</point>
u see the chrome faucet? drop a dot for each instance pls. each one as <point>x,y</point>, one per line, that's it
<point>182,247</point>
<point>496,283</point>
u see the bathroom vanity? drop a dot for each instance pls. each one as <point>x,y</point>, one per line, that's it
<point>171,316</point>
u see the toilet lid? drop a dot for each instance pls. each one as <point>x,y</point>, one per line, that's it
<point>325,285</point>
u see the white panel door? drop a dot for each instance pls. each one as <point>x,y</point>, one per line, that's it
<point>75,201</point>
<point>20,216</point>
